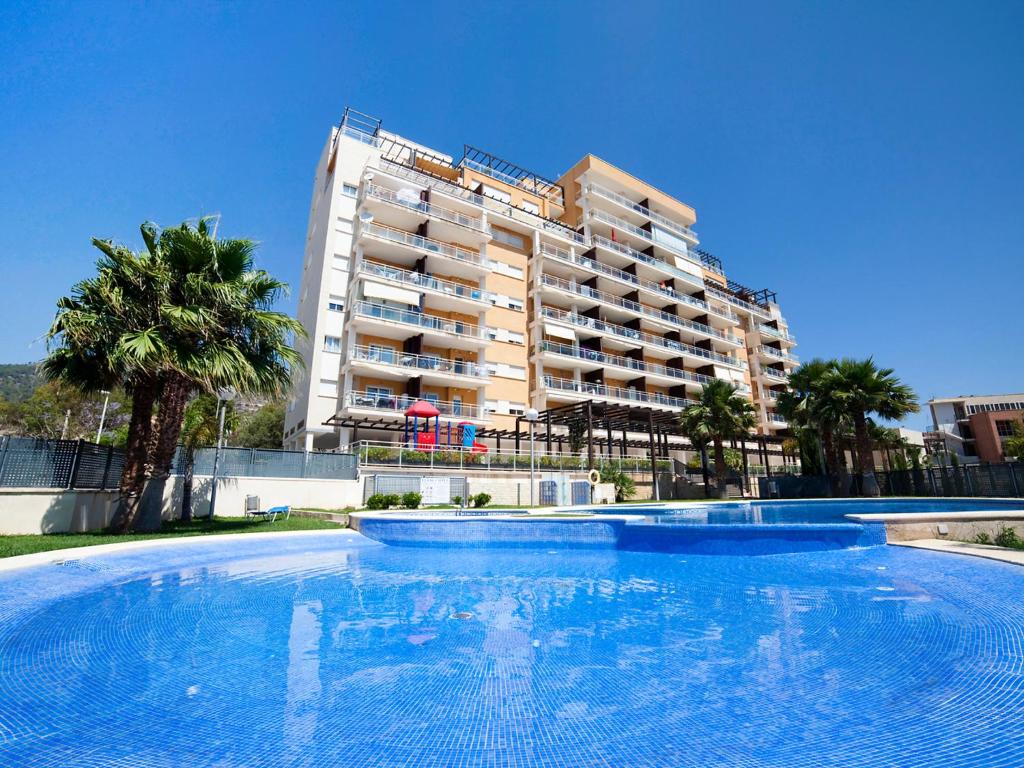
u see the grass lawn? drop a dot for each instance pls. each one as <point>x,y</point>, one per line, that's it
<point>27,544</point>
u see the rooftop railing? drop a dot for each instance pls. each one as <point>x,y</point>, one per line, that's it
<point>418,364</point>
<point>679,229</point>
<point>736,302</point>
<point>591,390</point>
<point>377,401</point>
<point>639,337</point>
<point>637,307</point>
<point>420,320</point>
<point>421,281</point>
<point>429,209</point>
<point>400,236</point>
<point>626,277</point>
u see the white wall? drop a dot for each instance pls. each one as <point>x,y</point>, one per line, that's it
<point>36,510</point>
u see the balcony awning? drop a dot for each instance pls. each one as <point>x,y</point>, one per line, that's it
<point>372,290</point>
<point>559,332</point>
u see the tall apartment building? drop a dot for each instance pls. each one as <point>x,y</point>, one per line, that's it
<point>486,289</point>
<point>975,427</point>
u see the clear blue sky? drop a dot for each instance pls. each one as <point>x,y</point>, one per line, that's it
<point>865,160</point>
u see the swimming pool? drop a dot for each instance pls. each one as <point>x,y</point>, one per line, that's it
<point>336,650</point>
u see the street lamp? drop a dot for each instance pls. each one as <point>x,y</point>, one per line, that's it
<point>103,416</point>
<point>531,416</point>
<point>224,396</point>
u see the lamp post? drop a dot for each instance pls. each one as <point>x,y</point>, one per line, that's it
<point>531,416</point>
<point>103,415</point>
<point>224,396</point>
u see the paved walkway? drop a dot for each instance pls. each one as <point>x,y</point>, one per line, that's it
<point>1015,556</point>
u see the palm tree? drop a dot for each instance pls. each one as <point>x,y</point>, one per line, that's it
<point>869,390</point>
<point>718,415</point>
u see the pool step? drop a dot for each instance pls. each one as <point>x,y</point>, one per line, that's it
<point>334,517</point>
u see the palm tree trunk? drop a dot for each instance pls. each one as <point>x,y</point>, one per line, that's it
<point>173,400</point>
<point>720,469</point>
<point>865,457</point>
<point>133,477</point>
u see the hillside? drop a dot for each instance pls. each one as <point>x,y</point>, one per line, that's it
<point>17,381</point>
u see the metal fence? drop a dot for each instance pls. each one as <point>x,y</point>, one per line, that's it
<point>27,462</point>
<point>399,484</point>
<point>992,480</point>
<point>260,462</point>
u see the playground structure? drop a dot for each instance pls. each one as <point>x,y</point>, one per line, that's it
<point>464,436</point>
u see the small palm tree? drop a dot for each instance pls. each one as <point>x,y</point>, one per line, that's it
<point>718,415</point>
<point>200,428</point>
<point>867,390</point>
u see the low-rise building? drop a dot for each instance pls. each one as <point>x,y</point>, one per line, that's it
<point>975,427</point>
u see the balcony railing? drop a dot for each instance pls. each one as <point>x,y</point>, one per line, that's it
<point>652,261</point>
<point>418,364</point>
<point>777,332</point>
<point>590,355</point>
<point>590,390</point>
<point>772,373</point>
<point>376,401</point>
<point>649,285</point>
<point>637,307</point>
<point>420,320</point>
<point>777,418</point>
<point>639,337</point>
<point>744,305</point>
<point>421,282</point>
<point>484,201</point>
<point>428,209</point>
<point>778,354</point>
<point>420,243</point>
<point>643,234</point>
<point>680,229</point>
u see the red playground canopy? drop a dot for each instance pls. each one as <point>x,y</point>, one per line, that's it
<point>423,409</point>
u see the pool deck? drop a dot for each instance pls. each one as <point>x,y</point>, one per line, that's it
<point>987,551</point>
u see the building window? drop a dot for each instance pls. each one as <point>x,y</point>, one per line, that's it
<point>348,189</point>
<point>516,409</point>
<point>382,354</point>
<point>332,344</point>
<point>456,405</point>
<point>432,398</point>
<point>509,238</point>
<point>328,388</point>
<point>1004,427</point>
<point>336,304</point>
<point>379,393</point>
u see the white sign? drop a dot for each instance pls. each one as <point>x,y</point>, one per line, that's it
<point>436,490</point>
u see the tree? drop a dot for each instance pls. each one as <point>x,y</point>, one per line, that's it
<point>718,415</point>
<point>1014,447</point>
<point>200,428</point>
<point>263,428</point>
<point>868,390</point>
<point>625,487</point>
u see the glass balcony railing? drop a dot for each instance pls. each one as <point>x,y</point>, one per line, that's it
<point>618,274</point>
<point>776,418</point>
<point>428,209</point>
<point>778,354</point>
<point>776,332</point>
<point>418,364</point>
<point>639,337</point>
<point>420,320</point>
<point>643,258</point>
<point>746,306</point>
<point>420,243</point>
<point>419,281</point>
<point>589,390</point>
<point>582,353</point>
<point>624,226</point>
<point>773,373</point>
<point>634,306</point>
<point>680,229</point>
<point>382,401</point>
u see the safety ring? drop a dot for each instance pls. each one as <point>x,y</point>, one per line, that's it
<point>594,477</point>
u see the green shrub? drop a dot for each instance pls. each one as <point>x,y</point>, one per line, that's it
<point>1007,537</point>
<point>392,499</point>
<point>982,538</point>
<point>411,499</point>
<point>481,499</point>
<point>381,455</point>
<point>624,485</point>
<point>377,501</point>
<point>457,501</point>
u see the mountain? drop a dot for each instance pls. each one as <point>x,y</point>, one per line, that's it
<point>17,381</point>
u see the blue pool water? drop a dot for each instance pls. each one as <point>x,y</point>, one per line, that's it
<point>339,651</point>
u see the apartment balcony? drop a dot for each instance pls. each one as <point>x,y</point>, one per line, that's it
<point>777,421</point>
<point>400,324</point>
<point>775,333</point>
<point>509,213</point>
<point>640,238</point>
<point>625,309</point>
<point>659,291</point>
<point>647,267</point>
<point>445,294</point>
<point>778,354</point>
<point>632,208</point>
<point>745,306</point>
<point>401,366</point>
<point>629,338</point>
<point>404,209</point>
<point>406,248</point>
<point>358,403</point>
<point>773,374</point>
<point>569,390</point>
